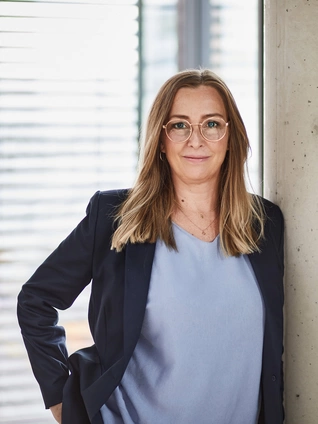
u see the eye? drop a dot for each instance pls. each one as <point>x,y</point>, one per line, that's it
<point>212,124</point>
<point>179,125</point>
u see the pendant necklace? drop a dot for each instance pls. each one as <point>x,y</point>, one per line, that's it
<point>203,230</point>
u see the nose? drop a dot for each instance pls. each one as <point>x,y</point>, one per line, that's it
<point>196,139</point>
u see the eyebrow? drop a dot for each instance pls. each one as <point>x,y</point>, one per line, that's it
<point>208,115</point>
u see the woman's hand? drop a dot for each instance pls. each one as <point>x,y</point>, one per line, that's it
<point>57,412</point>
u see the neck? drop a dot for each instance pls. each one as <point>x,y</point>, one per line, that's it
<point>196,210</point>
<point>202,198</point>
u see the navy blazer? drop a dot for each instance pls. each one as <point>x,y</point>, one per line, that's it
<point>119,291</point>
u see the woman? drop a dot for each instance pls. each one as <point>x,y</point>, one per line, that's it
<point>186,270</point>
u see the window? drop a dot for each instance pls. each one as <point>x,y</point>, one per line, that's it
<point>68,127</point>
<point>234,55</point>
<point>159,47</point>
<point>76,79</point>
<point>223,35</point>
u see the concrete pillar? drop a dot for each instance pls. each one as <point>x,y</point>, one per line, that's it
<point>291,180</point>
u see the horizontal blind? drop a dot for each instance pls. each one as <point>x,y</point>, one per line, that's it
<point>68,127</point>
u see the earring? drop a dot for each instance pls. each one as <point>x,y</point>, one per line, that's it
<point>160,156</point>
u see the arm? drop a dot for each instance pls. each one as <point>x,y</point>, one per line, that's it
<point>55,285</point>
<point>57,412</point>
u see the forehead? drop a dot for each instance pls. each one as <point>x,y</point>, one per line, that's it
<point>198,101</point>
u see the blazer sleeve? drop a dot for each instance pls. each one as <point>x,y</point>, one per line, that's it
<point>55,285</point>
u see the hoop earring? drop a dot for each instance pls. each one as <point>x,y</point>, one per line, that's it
<point>160,156</point>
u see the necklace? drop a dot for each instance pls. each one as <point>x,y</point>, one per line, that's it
<point>203,230</point>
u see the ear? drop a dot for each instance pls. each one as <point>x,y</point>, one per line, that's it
<point>162,148</point>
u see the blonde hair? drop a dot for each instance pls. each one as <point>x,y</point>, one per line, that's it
<point>145,215</point>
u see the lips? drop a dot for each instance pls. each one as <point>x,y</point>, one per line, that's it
<point>196,158</point>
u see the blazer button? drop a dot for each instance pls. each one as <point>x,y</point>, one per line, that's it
<point>273,377</point>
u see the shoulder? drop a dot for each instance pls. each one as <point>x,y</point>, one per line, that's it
<point>273,229</point>
<point>102,210</point>
<point>273,214</point>
<point>270,207</point>
<point>116,196</point>
<point>107,201</point>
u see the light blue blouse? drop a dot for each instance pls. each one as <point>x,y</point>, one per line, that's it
<point>199,356</point>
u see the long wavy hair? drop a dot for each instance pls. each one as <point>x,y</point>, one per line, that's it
<point>146,214</point>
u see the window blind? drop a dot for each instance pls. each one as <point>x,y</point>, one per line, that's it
<point>68,127</point>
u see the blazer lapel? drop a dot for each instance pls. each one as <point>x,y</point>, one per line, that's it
<point>138,265</point>
<point>258,265</point>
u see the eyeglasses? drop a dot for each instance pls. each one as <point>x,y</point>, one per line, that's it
<point>211,129</point>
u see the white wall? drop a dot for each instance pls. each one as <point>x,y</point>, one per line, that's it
<point>291,180</point>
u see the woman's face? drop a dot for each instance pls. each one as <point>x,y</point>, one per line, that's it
<point>197,160</point>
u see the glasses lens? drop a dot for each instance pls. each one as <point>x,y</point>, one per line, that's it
<point>213,128</point>
<point>178,131</point>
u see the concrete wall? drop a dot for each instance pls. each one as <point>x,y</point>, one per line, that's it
<point>291,180</point>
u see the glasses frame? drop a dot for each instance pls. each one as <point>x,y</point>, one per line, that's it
<point>191,129</point>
